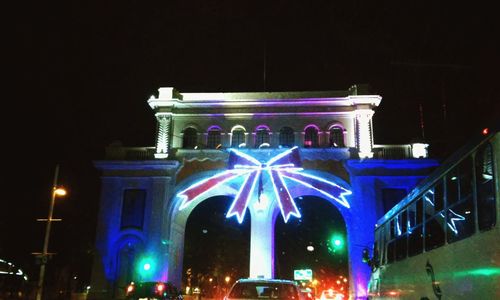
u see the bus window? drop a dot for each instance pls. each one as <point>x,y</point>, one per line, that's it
<point>465,179</point>
<point>391,251</point>
<point>404,221</point>
<point>393,229</point>
<point>412,215</point>
<point>415,241</point>
<point>420,211</point>
<point>434,232</point>
<point>433,200</point>
<point>486,210</point>
<point>401,243</point>
<point>452,187</point>
<point>387,236</point>
<point>460,221</point>
<point>438,196</point>
<point>401,247</point>
<point>460,215</point>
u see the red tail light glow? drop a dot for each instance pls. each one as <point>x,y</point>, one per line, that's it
<point>160,287</point>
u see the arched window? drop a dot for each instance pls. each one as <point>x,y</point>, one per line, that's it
<point>311,137</point>
<point>286,137</point>
<point>337,137</point>
<point>261,135</point>
<point>189,138</point>
<point>238,137</point>
<point>214,137</point>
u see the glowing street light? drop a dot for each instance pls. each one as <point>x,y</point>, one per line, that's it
<point>227,279</point>
<point>56,191</point>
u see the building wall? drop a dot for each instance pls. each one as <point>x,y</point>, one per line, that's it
<point>275,123</point>
<point>156,178</point>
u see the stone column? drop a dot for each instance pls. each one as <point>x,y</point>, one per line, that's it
<point>163,135</point>
<point>364,134</point>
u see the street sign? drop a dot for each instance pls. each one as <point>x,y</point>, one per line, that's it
<point>304,274</point>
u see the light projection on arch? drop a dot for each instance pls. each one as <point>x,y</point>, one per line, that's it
<point>280,169</point>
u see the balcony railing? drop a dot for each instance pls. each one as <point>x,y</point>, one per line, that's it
<point>147,153</point>
<point>392,151</point>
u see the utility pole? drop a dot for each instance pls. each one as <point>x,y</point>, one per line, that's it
<point>44,255</point>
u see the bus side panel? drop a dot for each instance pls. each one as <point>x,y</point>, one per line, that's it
<point>467,269</point>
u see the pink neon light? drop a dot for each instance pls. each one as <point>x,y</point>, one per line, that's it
<point>311,125</point>
<point>262,126</point>
<point>196,190</point>
<point>338,125</point>
<point>214,127</point>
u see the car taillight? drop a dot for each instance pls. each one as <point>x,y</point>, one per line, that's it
<point>160,287</point>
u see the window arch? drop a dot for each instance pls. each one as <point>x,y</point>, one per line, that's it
<point>311,136</point>
<point>262,135</point>
<point>238,136</point>
<point>189,138</point>
<point>287,138</point>
<point>214,137</point>
<point>336,136</point>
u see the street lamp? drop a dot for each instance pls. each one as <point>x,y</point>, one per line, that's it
<point>56,191</point>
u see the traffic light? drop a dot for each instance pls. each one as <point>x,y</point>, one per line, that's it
<point>145,268</point>
<point>336,243</point>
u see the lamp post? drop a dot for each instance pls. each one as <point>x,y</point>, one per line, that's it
<point>55,192</point>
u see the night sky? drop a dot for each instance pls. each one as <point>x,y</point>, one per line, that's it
<point>79,74</point>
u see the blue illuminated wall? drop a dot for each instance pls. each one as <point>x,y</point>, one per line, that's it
<point>160,240</point>
<point>368,178</point>
<point>118,248</point>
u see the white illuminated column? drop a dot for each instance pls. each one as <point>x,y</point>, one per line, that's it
<point>163,135</point>
<point>363,118</point>
<point>262,237</point>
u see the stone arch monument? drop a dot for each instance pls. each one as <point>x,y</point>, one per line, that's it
<point>147,193</point>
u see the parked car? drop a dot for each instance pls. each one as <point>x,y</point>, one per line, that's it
<point>331,294</point>
<point>308,293</point>
<point>250,289</point>
<point>152,291</point>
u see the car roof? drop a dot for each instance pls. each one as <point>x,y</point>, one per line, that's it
<point>262,280</point>
<point>152,283</point>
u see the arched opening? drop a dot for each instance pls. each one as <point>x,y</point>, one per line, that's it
<point>129,249</point>
<point>311,137</point>
<point>215,247</point>
<point>238,137</point>
<point>214,137</point>
<point>336,137</point>
<point>316,241</point>
<point>286,137</point>
<point>262,135</point>
<point>189,138</point>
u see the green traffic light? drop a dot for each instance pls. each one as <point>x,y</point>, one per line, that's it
<point>336,243</point>
<point>145,267</point>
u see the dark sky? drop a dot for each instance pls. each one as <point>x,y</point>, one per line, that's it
<point>79,75</point>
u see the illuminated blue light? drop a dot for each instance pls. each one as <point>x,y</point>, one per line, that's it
<point>452,225</point>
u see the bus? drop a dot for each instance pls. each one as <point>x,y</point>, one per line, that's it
<point>442,241</point>
<point>13,282</point>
